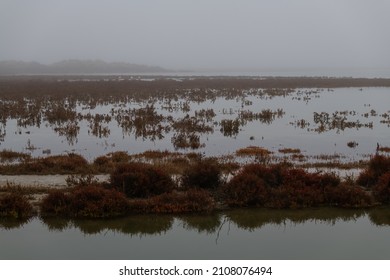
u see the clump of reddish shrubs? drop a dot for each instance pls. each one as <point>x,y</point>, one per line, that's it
<point>15,205</point>
<point>381,190</point>
<point>192,200</point>
<point>279,186</point>
<point>140,180</point>
<point>204,173</point>
<point>91,201</point>
<point>378,166</point>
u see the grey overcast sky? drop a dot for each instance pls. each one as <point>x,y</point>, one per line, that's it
<point>200,34</point>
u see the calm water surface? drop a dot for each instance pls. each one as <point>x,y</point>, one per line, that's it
<point>238,234</point>
<point>362,112</point>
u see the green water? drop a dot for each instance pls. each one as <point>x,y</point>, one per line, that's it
<point>237,234</point>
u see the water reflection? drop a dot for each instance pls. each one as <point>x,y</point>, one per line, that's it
<point>252,219</point>
<point>133,225</point>
<point>380,217</point>
<point>12,223</point>
<point>245,219</point>
<point>202,224</point>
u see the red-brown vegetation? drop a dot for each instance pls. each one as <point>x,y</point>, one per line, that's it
<point>280,186</point>
<point>15,205</point>
<point>90,201</point>
<point>381,190</point>
<point>205,174</point>
<point>377,166</point>
<point>140,180</point>
<point>192,200</point>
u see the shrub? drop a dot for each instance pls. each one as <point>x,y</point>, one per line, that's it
<point>91,201</point>
<point>378,166</point>
<point>57,202</point>
<point>193,200</point>
<point>97,202</point>
<point>381,191</point>
<point>289,196</point>
<point>245,190</point>
<point>278,186</point>
<point>349,196</point>
<point>65,163</point>
<point>139,180</point>
<point>204,174</point>
<point>16,206</point>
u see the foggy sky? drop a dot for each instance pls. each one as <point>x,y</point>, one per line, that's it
<point>199,34</point>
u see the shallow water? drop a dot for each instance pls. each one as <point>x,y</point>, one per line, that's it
<point>237,234</point>
<point>352,114</point>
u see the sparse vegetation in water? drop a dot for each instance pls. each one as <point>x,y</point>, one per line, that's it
<point>289,151</point>
<point>384,149</point>
<point>352,144</point>
<point>165,109</point>
<point>260,154</point>
<point>230,128</point>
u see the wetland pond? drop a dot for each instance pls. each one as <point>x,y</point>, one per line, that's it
<point>346,122</point>
<point>238,234</point>
<point>319,119</point>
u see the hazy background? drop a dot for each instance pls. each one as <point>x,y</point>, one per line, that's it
<point>200,34</point>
